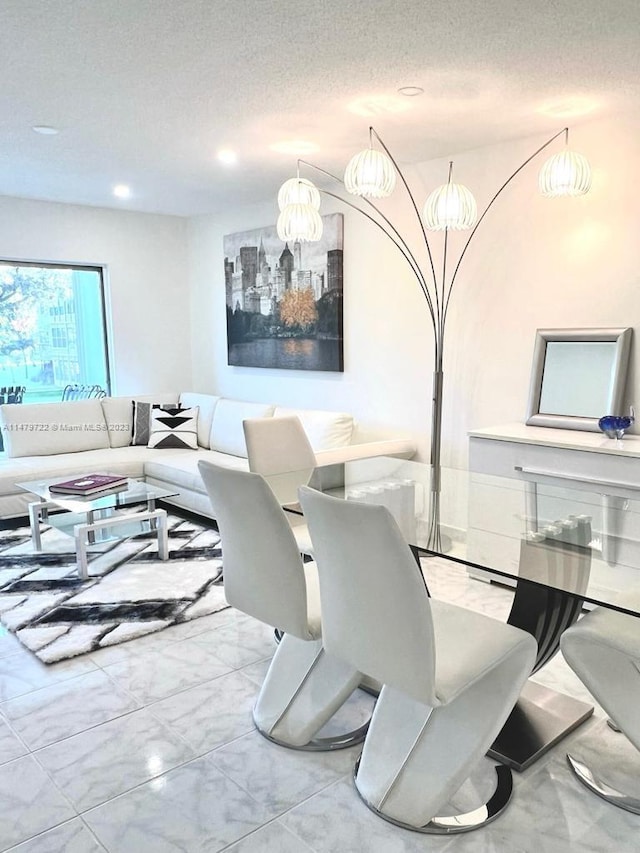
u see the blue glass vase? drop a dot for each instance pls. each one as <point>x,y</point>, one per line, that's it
<point>615,426</point>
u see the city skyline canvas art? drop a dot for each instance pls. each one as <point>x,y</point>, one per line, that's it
<point>284,300</point>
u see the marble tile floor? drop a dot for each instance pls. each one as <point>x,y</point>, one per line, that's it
<point>149,747</point>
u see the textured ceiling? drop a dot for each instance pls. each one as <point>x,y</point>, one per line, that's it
<point>144,92</point>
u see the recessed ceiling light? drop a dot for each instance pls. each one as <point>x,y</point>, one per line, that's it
<point>410,91</point>
<point>227,156</point>
<point>376,105</point>
<point>45,129</point>
<point>121,191</point>
<point>294,146</point>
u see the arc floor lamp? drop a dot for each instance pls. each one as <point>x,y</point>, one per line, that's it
<point>373,174</point>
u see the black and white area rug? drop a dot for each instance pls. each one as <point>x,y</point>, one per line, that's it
<point>129,592</point>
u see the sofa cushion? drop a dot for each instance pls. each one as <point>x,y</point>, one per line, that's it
<point>118,413</point>
<point>14,471</point>
<point>128,461</point>
<point>227,434</point>
<point>172,429</point>
<point>41,429</point>
<point>206,404</point>
<point>325,430</point>
<point>180,467</point>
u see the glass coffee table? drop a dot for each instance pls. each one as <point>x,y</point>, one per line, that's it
<point>98,518</point>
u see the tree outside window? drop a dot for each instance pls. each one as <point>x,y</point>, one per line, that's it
<point>52,329</point>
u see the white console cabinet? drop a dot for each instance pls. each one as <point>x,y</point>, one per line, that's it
<point>555,471</point>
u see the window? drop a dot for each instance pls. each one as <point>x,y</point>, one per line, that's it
<point>52,329</point>
<point>58,338</point>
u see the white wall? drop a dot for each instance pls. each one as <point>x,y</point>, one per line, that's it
<point>147,286</point>
<point>382,384</point>
<point>535,263</point>
<point>540,262</point>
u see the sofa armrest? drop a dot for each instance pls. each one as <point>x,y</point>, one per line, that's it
<point>403,448</point>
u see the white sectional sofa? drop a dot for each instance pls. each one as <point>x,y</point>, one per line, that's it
<point>58,439</point>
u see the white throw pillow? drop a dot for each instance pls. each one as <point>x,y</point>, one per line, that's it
<point>325,430</point>
<point>206,404</point>
<point>227,434</point>
<point>173,429</point>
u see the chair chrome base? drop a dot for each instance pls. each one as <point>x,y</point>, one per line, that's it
<point>323,744</point>
<point>452,824</point>
<point>602,789</point>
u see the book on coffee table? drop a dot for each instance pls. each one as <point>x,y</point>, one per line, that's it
<point>89,484</point>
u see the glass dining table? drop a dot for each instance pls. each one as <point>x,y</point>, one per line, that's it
<point>559,545</point>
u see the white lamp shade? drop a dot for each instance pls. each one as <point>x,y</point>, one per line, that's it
<point>298,191</point>
<point>370,173</point>
<point>299,222</point>
<point>451,206</point>
<point>566,173</point>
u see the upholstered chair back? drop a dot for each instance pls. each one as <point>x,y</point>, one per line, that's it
<point>279,449</point>
<point>375,608</point>
<point>263,573</point>
<point>275,445</point>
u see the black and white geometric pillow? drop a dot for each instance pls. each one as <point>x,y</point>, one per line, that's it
<point>142,421</point>
<point>173,428</point>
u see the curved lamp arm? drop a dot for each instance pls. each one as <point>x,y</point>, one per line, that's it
<point>564,130</point>
<point>400,243</point>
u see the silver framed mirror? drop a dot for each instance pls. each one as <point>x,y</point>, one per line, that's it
<point>578,375</point>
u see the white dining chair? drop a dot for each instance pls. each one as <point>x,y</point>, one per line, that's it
<point>278,448</point>
<point>265,577</point>
<point>450,676</point>
<point>603,649</point>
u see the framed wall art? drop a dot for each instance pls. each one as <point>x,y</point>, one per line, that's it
<point>284,302</point>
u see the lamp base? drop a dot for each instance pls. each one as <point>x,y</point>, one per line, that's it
<point>439,543</point>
